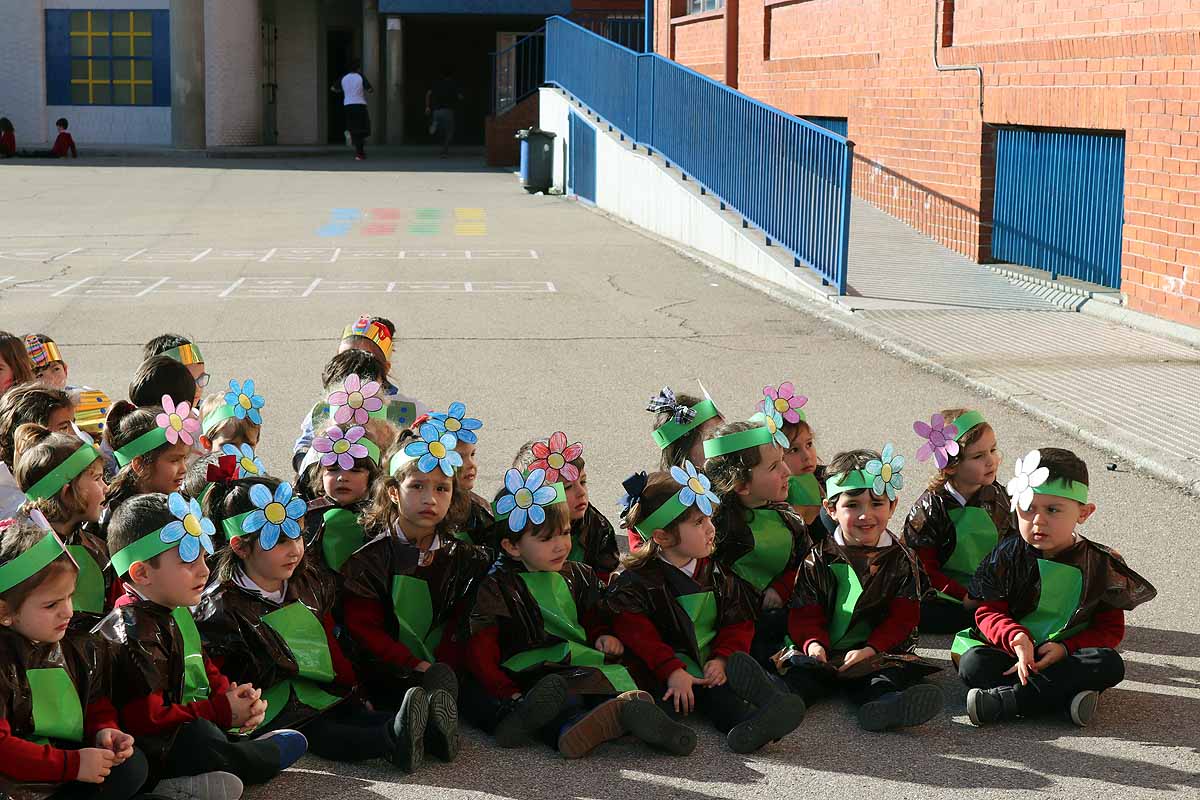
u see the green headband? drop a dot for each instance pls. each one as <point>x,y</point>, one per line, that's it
<point>733,442</point>
<point>214,419</point>
<point>233,525</point>
<point>850,481</point>
<point>64,473</point>
<point>372,449</point>
<point>185,354</point>
<point>1061,487</point>
<point>143,549</point>
<point>672,431</point>
<point>32,561</point>
<point>140,446</point>
<point>560,496</point>
<point>663,516</point>
<point>965,422</point>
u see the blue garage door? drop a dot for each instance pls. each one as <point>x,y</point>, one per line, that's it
<point>581,172</point>
<point>1060,202</point>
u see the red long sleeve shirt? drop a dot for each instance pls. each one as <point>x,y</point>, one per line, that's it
<point>1106,628</point>
<point>343,670</point>
<point>64,143</point>
<point>367,620</point>
<point>150,715</point>
<point>785,584</point>
<point>638,633</point>
<point>928,557</point>
<point>810,624</point>
<point>8,144</point>
<point>483,651</point>
<point>26,762</point>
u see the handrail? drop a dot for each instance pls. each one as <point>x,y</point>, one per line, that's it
<point>530,50</point>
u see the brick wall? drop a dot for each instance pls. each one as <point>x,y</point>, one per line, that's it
<point>923,152</point>
<point>698,40</point>
<point>502,149</point>
<point>296,56</point>
<point>232,67</point>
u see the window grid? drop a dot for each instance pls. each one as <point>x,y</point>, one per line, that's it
<point>110,36</point>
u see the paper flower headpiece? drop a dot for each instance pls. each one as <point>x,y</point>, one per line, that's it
<point>241,402</point>
<point>525,498</point>
<point>273,514</point>
<point>695,490</point>
<point>433,449</point>
<point>342,447</point>
<point>1027,477</point>
<point>456,421</point>
<point>175,423</point>
<point>248,464</point>
<point>785,401</point>
<point>555,457</point>
<point>773,420</point>
<point>885,472</point>
<point>941,437</point>
<point>355,401</point>
<point>191,532</point>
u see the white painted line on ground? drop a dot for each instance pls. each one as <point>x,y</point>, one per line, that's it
<point>202,255</point>
<point>74,285</point>
<point>64,255</point>
<point>311,286</point>
<point>232,287</point>
<point>152,287</point>
<point>267,257</point>
<point>132,256</point>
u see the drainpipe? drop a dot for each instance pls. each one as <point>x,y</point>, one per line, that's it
<point>648,28</point>
<point>937,43</point>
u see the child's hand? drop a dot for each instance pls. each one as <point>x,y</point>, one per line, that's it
<point>1023,648</point>
<point>245,703</point>
<point>610,645</point>
<point>714,672</point>
<point>94,764</point>
<point>679,687</point>
<point>1049,653</point>
<point>855,656</point>
<point>771,599</point>
<point>816,651</point>
<point>118,742</point>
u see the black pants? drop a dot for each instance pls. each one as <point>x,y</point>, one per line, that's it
<point>358,122</point>
<point>201,747</point>
<point>1049,691</point>
<point>769,632</point>
<point>484,711</point>
<point>719,705</point>
<point>942,616</point>
<point>123,783</point>
<point>814,682</point>
<point>349,732</point>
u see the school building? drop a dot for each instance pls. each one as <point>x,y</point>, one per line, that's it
<point>218,73</point>
<point>1059,134</point>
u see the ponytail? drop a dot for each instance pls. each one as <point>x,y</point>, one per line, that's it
<point>39,452</point>
<point>660,487</point>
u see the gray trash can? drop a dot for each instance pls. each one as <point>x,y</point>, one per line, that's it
<point>537,159</point>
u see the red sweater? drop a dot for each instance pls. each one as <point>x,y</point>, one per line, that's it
<point>63,144</point>
<point>1106,628</point>
<point>639,634</point>
<point>809,624</point>
<point>25,762</point>
<point>928,557</point>
<point>8,144</point>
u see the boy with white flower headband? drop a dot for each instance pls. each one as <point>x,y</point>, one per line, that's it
<point>853,616</point>
<point>1051,604</point>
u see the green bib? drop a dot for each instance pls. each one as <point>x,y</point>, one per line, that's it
<point>1058,600</point>
<point>413,609</point>
<point>701,609</point>
<point>772,550</point>
<point>804,490</point>
<point>576,553</point>
<point>307,692</point>
<point>195,678</point>
<point>849,589</point>
<point>89,584</point>
<point>560,618</point>
<point>341,537</point>
<point>975,536</point>
<point>305,637</point>
<point>57,712</point>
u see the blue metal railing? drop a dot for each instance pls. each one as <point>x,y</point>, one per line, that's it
<point>790,178</point>
<point>517,71</point>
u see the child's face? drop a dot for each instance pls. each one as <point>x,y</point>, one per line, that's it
<point>768,479</point>
<point>6,376</point>
<point>1049,524</point>
<point>276,564</point>
<point>863,517</point>
<point>546,551</point>
<point>423,498</point>
<point>46,612</point>
<point>470,468</point>
<point>577,496</point>
<point>801,457</point>
<point>696,454</point>
<point>89,489</point>
<point>345,486</point>
<point>978,462</point>
<point>165,474</point>
<point>61,419</point>
<point>54,374</point>
<point>695,536</point>
<point>201,378</point>
<point>174,583</point>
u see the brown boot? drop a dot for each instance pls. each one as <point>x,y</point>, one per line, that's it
<point>601,724</point>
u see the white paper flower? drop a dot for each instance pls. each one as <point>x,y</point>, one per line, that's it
<point>1028,475</point>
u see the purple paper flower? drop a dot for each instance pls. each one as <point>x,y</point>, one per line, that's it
<point>939,440</point>
<point>341,448</point>
<point>355,401</point>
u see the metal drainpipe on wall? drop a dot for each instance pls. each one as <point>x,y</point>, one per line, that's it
<point>960,68</point>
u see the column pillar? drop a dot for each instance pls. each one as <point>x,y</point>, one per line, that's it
<point>187,73</point>
<point>395,80</point>
<point>370,62</point>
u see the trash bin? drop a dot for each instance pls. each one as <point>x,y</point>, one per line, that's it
<point>537,159</point>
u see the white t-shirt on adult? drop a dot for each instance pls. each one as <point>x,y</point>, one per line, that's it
<point>352,89</point>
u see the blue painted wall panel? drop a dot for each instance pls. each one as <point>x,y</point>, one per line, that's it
<point>582,159</point>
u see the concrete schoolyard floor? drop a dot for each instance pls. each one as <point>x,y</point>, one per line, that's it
<point>543,315</point>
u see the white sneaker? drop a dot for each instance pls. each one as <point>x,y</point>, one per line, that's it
<point>206,786</point>
<point>349,141</point>
<point>1083,707</point>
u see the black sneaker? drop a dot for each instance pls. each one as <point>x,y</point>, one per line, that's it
<point>441,732</point>
<point>539,706</point>
<point>770,723</point>
<point>649,723</point>
<point>985,706</point>
<point>1083,707</point>
<point>750,681</point>
<point>913,706</point>
<point>408,731</point>
<point>440,676</point>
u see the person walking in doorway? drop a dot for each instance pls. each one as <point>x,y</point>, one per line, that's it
<point>354,89</point>
<point>440,101</point>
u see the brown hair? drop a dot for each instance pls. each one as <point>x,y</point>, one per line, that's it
<point>16,537</point>
<point>674,454</point>
<point>13,353</point>
<point>382,515</point>
<point>1064,464</point>
<point>230,428</point>
<point>137,516</point>
<point>793,429</point>
<point>229,500</point>
<point>38,452</point>
<point>525,456</point>
<point>312,477</point>
<point>31,402</point>
<point>849,461</point>
<point>660,487</point>
<point>126,422</point>
<point>728,473</point>
<point>558,517</point>
<point>966,440</point>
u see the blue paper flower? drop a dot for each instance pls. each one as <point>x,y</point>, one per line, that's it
<point>456,421</point>
<point>526,498</point>
<point>273,515</point>
<point>886,470</point>
<point>244,401</point>
<point>190,528</point>
<point>774,422</point>
<point>435,449</point>
<point>249,465</point>
<point>697,490</point>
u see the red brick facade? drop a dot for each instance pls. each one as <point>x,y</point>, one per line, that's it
<point>923,152</point>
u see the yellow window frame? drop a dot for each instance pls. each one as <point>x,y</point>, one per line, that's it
<point>91,81</point>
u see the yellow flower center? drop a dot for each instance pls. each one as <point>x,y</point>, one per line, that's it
<point>248,467</point>
<point>275,513</point>
<point>176,422</point>
<point>524,498</point>
<point>437,449</point>
<point>341,446</point>
<point>886,473</point>
<point>771,426</point>
<point>453,425</point>
<point>556,461</point>
<point>695,485</point>
<point>244,402</point>
<point>191,525</point>
<point>782,405</point>
<point>355,400</point>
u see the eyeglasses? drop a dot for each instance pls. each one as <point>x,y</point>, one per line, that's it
<point>202,381</point>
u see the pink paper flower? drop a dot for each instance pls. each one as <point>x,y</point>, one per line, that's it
<point>939,440</point>
<point>355,401</point>
<point>180,423</point>
<point>556,457</point>
<point>785,400</point>
<point>341,448</point>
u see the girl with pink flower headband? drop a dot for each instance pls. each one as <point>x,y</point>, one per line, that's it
<point>806,485</point>
<point>152,445</point>
<point>962,515</point>
<point>340,471</point>
<point>593,540</point>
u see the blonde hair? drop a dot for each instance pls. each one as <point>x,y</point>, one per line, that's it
<point>230,429</point>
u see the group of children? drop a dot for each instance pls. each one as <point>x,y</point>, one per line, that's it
<point>175,621</point>
<point>64,143</point>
